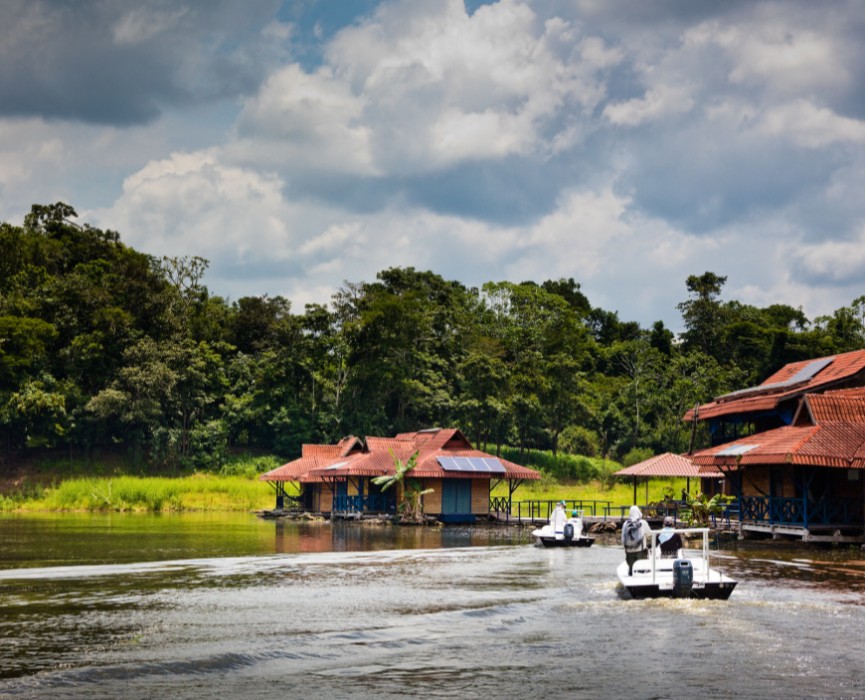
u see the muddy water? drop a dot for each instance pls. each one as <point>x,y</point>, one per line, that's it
<point>238,607</point>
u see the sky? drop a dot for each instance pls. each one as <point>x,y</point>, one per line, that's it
<point>301,144</point>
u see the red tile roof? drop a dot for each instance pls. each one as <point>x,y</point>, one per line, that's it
<point>377,459</point>
<point>667,464</point>
<point>777,388</point>
<point>314,457</point>
<point>829,432</point>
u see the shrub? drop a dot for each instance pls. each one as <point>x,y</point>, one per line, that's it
<point>636,455</point>
<point>578,440</point>
<point>563,467</point>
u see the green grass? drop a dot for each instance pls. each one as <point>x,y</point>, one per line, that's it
<point>620,494</point>
<point>110,487</point>
<point>146,494</point>
<point>575,477</point>
<point>563,467</point>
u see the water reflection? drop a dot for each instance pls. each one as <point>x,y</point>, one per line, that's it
<point>314,610</point>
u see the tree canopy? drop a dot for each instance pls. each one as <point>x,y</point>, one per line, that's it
<point>102,346</point>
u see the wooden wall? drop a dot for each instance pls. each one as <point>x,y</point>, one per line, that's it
<point>432,502</point>
<point>480,496</point>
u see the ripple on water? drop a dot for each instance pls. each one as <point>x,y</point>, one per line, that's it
<point>472,622</point>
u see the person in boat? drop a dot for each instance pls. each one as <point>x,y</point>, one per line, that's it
<point>559,518</point>
<point>576,522</point>
<point>669,541</point>
<point>635,534</point>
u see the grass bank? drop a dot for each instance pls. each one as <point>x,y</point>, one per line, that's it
<point>113,486</point>
<point>66,487</point>
<point>576,477</point>
<point>145,494</point>
<point>594,490</point>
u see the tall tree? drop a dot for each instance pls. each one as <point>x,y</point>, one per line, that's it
<point>702,314</point>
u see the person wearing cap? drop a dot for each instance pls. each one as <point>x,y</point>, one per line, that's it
<point>577,522</point>
<point>669,540</point>
<point>635,534</point>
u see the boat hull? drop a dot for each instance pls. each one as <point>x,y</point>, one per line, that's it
<point>709,591</point>
<point>707,584</point>
<point>546,536</point>
<point>575,542</point>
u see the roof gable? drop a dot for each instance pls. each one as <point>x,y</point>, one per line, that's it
<point>350,458</point>
<point>789,382</point>
<point>829,431</point>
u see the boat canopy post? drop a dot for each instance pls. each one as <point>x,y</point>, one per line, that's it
<point>654,557</point>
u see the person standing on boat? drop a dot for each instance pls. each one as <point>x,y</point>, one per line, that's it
<point>559,518</point>
<point>669,540</point>
<point>635,534</point>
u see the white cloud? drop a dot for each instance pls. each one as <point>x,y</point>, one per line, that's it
<point>810,126</point>
<point>484,147</point>
<point>772,51</point>
<point>659,102</point>
<point>440,86</point>
<point>582,226</point>
<point>143,23</point>
<point>837,261</point>
<point>303,121</point>
<point>190,203</point>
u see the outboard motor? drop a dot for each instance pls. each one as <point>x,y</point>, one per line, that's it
<point>568,532</point>
<point>683,578</point>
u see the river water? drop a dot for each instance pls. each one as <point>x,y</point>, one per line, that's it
<point>234,606</point>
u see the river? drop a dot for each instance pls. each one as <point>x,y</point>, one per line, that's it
<point>238,607</point>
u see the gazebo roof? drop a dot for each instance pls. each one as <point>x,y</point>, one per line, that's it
<point>666,464</point>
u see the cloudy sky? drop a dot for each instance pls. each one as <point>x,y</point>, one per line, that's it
<point>297,144</point>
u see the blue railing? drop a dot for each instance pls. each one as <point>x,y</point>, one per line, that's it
<point>372,503</point>
<point>801,511</point>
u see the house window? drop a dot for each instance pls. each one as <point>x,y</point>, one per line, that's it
<point>852,475</point>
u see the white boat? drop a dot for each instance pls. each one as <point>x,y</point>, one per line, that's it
<point>570,534</point>
<point>689,575</point>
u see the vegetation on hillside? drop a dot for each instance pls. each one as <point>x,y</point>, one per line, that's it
<point>105,348</point>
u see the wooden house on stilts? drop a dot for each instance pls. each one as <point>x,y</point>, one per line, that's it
<point>793,449</point>
<point>338,479</point>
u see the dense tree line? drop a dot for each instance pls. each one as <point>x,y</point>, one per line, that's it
<point>102,346</point>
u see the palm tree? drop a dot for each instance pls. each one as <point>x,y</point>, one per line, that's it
<point>411,507</point>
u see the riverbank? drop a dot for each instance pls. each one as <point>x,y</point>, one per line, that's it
<point>113,485</point>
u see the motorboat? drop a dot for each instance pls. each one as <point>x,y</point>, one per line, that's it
<point>570,534</point>
<point>687,575</point>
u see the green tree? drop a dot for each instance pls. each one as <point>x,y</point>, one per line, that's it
<point>411,505</point>
<point>702,314</point>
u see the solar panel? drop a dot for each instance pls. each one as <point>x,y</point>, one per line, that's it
<point>735,450</point>
<point>807,372</point>
<point>482,465</point>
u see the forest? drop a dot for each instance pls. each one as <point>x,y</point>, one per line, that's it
<point>104,348</point>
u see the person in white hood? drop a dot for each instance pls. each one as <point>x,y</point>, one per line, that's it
<point>558,518</point>
<point>636,534</point>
